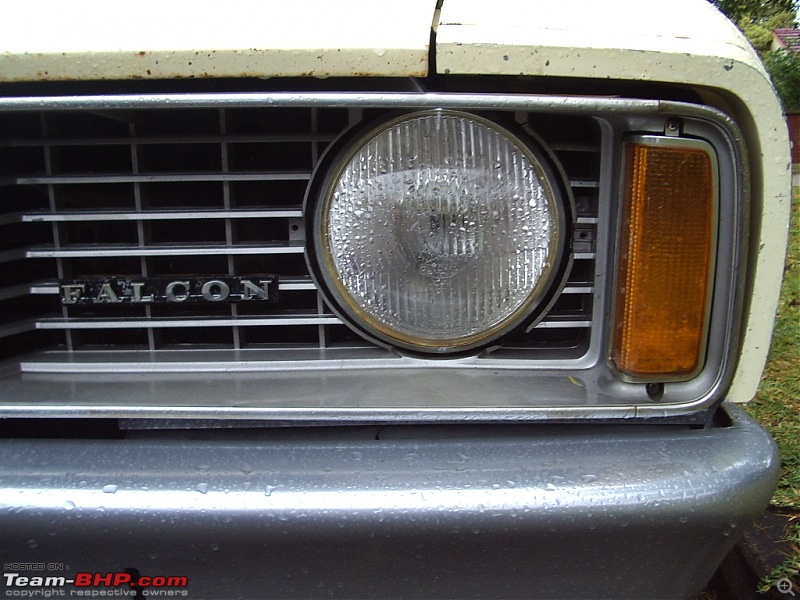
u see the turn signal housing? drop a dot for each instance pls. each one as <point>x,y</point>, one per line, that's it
<point>665,266</point>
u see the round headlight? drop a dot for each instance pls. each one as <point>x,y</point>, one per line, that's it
<point>438,232</point>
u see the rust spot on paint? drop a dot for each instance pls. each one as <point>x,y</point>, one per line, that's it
<point>142,53</point>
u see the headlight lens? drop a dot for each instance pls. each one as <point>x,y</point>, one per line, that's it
<point>439,231</point>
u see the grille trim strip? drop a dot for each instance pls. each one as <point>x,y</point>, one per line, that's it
<point>287,284</point>
<point>161,323</point>
<point>166,140</point>
<point>165,215</point>
<point>68,324</point>
<point>346,100</point>
<point>122,251</point>
<point>157,178</point>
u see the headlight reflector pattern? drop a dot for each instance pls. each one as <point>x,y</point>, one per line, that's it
<point>439,231</point>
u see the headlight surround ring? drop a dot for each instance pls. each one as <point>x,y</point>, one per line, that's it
<point>457,234</point>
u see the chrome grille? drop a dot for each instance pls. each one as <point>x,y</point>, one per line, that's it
<point>211,191</point>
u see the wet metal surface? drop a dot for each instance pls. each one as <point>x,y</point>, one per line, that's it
<point>534,511</point>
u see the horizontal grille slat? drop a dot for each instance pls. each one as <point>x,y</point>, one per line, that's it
<point>564,322</point>
<point>287,284</point>
<point>156,178</point>
<point>164,215</point>
<point>188,139</point>
<point>112,251</point>
<point>55,323</point>
<point>159,323</point>
<point>583,183</point>
<point>578,289</point>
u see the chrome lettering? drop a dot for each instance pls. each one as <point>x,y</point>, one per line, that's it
<point>215,290</point>
<point>118,290</point>
<point>250,289</point>
<point>137,286</point>
<point>172,296</point>
<point>72,292</point>
<point>106,294</point>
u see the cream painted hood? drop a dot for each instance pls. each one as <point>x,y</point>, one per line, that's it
<point>90,39</point>
<point>584,37</point>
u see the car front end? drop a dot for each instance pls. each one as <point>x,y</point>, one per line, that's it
<point>437,301</point>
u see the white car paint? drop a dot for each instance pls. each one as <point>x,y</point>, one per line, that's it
<point>151,39</point>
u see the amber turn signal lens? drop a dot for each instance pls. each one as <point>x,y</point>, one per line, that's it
<point>666,254</point>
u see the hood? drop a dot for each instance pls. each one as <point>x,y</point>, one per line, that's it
<point>624,39</point>
<point>149,39</point>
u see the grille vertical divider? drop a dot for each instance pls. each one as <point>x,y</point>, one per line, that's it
<point>322,329</point>
<point>141,234</point>
<point>56,226</point>
<point>229,234</point>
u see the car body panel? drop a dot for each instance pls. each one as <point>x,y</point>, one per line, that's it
<point>85,40</point>
<point>372,512</point>
<point>687,43</point>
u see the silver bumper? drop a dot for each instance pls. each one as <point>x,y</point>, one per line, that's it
<point>527,511</point>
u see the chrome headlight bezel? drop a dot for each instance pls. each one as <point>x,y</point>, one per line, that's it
<point>327,176</point>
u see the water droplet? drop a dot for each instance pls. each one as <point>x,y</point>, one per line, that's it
<point>69,505</point>
<point>202,488</point>
<point>110,489</point>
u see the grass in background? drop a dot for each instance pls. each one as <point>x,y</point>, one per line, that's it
<point>777,405</point>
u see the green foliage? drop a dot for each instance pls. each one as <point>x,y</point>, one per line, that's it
<point>784,68</point>
<point>790,568</point>
<point>777,405</point>
<point>744,12</point>
<point>759,32</point>
<point>757,19</point>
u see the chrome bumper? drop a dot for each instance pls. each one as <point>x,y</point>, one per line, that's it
<point>543,511</point>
